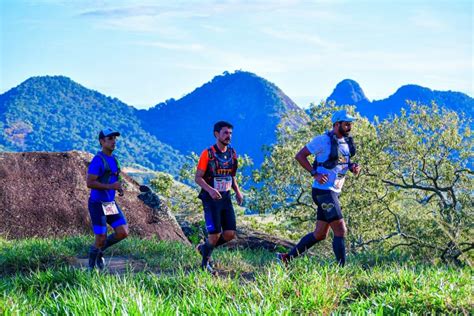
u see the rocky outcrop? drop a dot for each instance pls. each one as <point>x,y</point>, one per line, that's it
<point>44,194</point>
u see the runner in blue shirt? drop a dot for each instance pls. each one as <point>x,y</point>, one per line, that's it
<point>103,178</point>
<point>333,151</point>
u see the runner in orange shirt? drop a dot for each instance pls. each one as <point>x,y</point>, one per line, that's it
<point>215,175</point>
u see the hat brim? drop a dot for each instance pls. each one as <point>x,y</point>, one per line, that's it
<point>111,134</point>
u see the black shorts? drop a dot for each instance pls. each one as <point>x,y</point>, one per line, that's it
<point>218,214</point>
<point>329,209</point>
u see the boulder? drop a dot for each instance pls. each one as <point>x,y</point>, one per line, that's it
<point>44,194</point>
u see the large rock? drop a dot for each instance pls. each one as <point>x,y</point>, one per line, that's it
<point>44,194</point>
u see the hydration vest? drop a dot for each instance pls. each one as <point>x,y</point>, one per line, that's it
<point>220,164</point>
<point>333,158</point>
<point>104,178</point>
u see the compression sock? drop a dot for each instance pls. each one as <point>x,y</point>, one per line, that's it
<point>220,241</point>
<point>111,240</point>
<point>206,251</point>
<point>93,252</point>
<point>339,248</point>
<point>305,243</point>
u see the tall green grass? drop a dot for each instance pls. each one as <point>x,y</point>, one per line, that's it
<point>37,279</point>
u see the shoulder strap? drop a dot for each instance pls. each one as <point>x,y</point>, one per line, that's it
<point>104,178</point>
<point>233,153</point>
<point>211,153</point>
<point>350,143</point>
<point>331,162</point>
<point>211,164</point>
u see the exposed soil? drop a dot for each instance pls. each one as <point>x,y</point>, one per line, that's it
<point>44,194</point>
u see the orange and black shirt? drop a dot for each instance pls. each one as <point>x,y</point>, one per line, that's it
<point>217,164</point>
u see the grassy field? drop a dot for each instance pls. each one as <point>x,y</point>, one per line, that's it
<point>39,276</point>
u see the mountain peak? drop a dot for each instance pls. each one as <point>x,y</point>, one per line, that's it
<point>348,92</point>
<point>251,103</point>
<point>48,80</point>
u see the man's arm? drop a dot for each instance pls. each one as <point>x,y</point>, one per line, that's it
<point>93,183</point>
<point>302,158</point>
<point>238,195</point>
<point>199,179</point>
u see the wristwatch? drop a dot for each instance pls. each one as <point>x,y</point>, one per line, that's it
<point>313,172</point>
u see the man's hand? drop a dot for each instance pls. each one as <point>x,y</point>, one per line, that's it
<point>355,168</point>
<point>115,186</point>
<point>322,178</point>
<point>239,197</point>
<point>215,195</point>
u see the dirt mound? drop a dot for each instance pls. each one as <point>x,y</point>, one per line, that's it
<point>44,194</point>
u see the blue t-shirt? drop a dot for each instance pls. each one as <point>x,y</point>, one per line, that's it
<point>320,147</point>
<point>97,168</point>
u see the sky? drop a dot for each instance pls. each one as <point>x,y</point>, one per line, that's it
<point>145,52</point>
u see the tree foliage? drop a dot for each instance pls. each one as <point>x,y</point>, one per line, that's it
<point>57,114</point>
<point>415,189</point>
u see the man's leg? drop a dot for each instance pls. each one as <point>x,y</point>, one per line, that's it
<point>120,233</point>
<point>99,226</point>
<point>338,243</point>
<point>94,250</point>
<point>225,237</point>
<point>207,248</point>
<point>120,226</point>
<point>213,225</point>
<point>229,225</point>
<point>319,233</point>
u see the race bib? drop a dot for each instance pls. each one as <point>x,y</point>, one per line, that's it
<point>109,208</point>
<point>223,184</point>
<point>340,178</point>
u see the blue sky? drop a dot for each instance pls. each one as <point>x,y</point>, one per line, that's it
<point>144,52</point>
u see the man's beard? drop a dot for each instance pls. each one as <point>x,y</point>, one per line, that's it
<point>343,132</point>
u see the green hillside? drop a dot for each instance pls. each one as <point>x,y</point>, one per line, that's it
<point>57,114</point>
<point>252,104</point>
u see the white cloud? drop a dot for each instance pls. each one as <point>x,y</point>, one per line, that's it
<point>191,47</point>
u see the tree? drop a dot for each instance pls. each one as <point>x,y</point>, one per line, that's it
<point>415,189</point>
<point>430,153</point>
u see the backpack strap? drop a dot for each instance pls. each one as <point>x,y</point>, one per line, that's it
<point>105,177</point>
<point>350,143</point>
<point>331,162</point>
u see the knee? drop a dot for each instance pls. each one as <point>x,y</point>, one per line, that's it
<point>213,238</point>
<point>229,235</point>
<point>320,235</point>
<point>341,232</point>
<point>100,241</point>
<point>122,234</point>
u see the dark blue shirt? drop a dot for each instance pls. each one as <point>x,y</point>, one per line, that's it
<point>97,168</point>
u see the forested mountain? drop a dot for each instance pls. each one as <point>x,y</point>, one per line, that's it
<point>349,92</point>
<point>54,113</point>
<point>252,104</point>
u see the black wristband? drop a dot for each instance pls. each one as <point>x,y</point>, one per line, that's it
<point>313,172</point>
